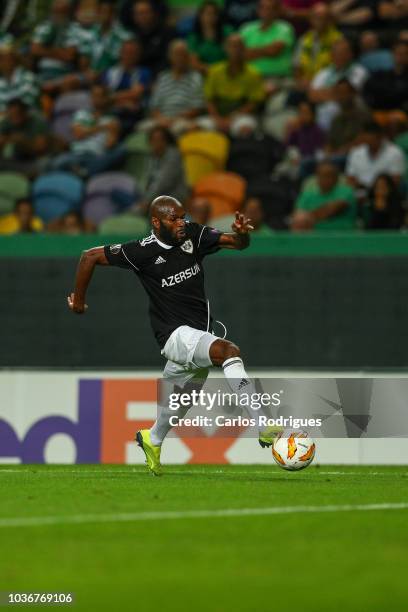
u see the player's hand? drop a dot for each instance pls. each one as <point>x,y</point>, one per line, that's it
<point>241,224</point>
<point>76,306</point>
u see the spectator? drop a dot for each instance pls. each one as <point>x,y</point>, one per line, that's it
<point>347,125</point>
<point>21,220</point>
<point>177,97</point>
<point>253,155</point>
<point>206,41</point>
<point>129,83</point>
<point>233,88</point>
<point>353,15</point>
<point>166,169</point>
<point>106,43</point>
<point>313,51</point>
<point>305,135</point>
<point>269,42</point>
<point>254,211</point>
<point>96,133</point>
<point>373,157</point>
<point>394,14</point>
<point>322,91</point>
<point>384,209</point>
<point>24,139</point>
<point>199,210</point>
<point>54,43</point>
<point>388,89</point>
<point>70,224</point>
<point>238,12</point>
<point>82,38</point>
<point>329,204</point>
<point>403,36</point>
<point>372,58</point>
<point>15,81</point>
<point>84,29</point>
<point>154,36</point>
<point>298,10</point>
<point>126,12</point>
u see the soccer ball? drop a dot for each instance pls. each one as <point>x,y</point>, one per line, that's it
<point>293,450</point>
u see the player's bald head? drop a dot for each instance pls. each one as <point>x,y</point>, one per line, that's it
<point>163,206</point>
<point>168,219</point>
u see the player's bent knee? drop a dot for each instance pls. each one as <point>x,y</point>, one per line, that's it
<point>221,350</point>
<point>232,350</point>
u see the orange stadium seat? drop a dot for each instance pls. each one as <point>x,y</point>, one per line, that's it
<point>224,190</point>
<point>203,152</point>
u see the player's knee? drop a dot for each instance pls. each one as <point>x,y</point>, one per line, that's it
<point>231,350</point>
<point>221,350</point>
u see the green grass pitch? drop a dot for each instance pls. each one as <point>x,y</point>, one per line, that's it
<point>207,538</point>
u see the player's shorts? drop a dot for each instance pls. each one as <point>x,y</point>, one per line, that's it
<point>189,347</point>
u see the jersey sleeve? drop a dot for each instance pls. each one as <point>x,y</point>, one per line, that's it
<point>126,255</point>
<point>206,239</point>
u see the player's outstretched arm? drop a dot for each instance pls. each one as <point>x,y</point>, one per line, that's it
<point>239,239</point>
<point>89,259</point>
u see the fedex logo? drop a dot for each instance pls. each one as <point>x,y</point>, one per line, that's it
<point>103,426</point>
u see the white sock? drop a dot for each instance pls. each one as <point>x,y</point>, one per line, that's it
<point>240,383</point>
<point>161,427</point>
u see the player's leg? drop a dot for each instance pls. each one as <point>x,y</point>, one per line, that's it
<point>227,355</point>
<point>176,379</point>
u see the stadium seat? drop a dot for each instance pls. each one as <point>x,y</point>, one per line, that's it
<point>12,187</point>
<point>137,158</point>
<point>203,152</point>
<point>65,107</point>
<point>99,203</point>
<point>137,143</point>
<point>55,194</point>
<point>125,224</point>
<point>224,190</point>
<point>185,25</point>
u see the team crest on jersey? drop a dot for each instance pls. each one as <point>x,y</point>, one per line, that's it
<point>187,246</point>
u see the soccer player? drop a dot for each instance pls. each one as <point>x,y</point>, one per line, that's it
<point>169,265</point>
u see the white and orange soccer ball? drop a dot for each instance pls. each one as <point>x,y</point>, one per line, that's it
<point>293,450</point>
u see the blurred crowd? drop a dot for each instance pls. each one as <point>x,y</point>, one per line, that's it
<point>294,111</point>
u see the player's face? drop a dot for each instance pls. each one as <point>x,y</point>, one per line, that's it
<point>172,229</point>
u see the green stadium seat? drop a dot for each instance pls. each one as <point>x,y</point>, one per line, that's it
<point>12,187</point>
<point>137,143</point>
<point>125,224</point>
<point>137,159</point>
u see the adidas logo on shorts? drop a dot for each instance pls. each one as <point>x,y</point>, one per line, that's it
<point>160,260</point>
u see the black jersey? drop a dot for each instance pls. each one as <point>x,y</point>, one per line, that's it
<point>172,276</point>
